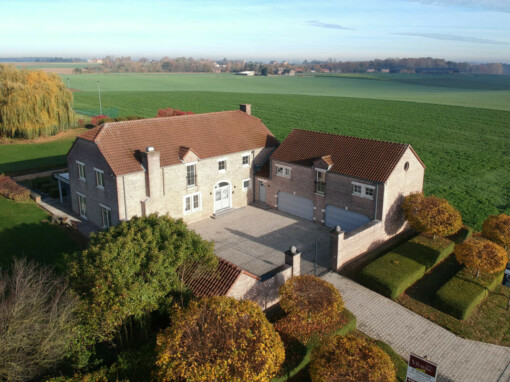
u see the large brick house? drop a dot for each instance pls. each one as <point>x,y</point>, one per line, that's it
<point>189,166</point>
<point>341,181</point>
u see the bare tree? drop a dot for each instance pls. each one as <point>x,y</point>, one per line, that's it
<point>37,320</point>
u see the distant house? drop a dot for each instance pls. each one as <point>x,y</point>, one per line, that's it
<point>291,72</point>
<point>190,166</point>
<point>246,73</point>
<point>354,183</point>
<point>370,70</point>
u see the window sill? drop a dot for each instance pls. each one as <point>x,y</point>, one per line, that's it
<point>283,176</point>
<point>83,180</point>
<point>320,194</point>
<point>192,211</point>
<point>363,196</point>
<point>100,188</point>
<point>190,187</point>
<point>222,171</point>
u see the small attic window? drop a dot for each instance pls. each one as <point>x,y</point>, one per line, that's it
<point>406,166</point>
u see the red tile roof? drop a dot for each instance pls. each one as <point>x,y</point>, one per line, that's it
<point>217,283</point>
<point>210,135</point>
<point>356,157</point>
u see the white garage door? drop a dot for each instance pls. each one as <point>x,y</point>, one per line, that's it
<point>295,205</point>
<point>347,220</point>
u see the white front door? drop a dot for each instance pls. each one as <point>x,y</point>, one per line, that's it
<point>221,196</point>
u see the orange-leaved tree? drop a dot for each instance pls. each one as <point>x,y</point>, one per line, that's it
<point>313,306</point>
<point>219,339</point>
<point>169,112</point>
<point>33,103</point>
<point>497,229</point>
<point>431,216</point>
<point>350,358</point>
<point>481,255</point>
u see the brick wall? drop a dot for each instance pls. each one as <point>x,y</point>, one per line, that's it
<point>88,153</point>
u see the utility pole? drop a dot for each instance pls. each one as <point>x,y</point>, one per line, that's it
<point>99,92</point>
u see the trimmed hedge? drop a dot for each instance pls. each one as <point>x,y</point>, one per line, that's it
<point>391,274</point>
<point>464,233</point>
<point>426,251</point>
<point>464,292</point>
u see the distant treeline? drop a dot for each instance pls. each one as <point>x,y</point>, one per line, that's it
<point>394,65</point>
<point>41,59</point>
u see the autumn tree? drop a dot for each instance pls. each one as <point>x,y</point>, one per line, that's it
<point>219,339</point>
<point>497,229</point>
<point>169,112</point>
<point>130,269</point>
<point>313,307</point>
<point>38,317</point>
<point>33,103</point>
<point>431,216</point>
<point>481,255</point>
<point>350,358</point>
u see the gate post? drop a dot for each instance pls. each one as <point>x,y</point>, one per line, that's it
<point>337,241</point>
<point>293,258</point>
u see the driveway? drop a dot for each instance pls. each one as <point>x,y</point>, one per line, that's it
<point>256,240</point>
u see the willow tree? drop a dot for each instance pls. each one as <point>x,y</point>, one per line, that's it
<point>33,103</point>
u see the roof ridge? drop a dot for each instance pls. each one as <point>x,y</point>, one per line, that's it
<point>350,136</point>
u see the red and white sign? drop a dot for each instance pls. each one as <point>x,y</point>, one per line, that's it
<point>420,370</point>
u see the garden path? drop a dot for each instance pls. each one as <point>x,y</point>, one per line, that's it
<point>406,332</point>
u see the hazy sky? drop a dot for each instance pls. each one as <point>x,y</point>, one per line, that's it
<point>471,30</point>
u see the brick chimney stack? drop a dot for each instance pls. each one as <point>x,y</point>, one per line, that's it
<point>245,108</point>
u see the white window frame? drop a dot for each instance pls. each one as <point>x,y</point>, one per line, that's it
<point>82,166</point>
<point>286,171</point>
<point>101,207</point>
<point>80,195</point>
<point>317,182</point>
<point>222,160</point>
<point>96,171</point>
<point>246,164</point>
<point>249,184</point>
<point>363,192</point>
<point>192,208</point>
<point>195,179</point>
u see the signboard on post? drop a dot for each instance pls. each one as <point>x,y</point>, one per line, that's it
<point>420,370</point>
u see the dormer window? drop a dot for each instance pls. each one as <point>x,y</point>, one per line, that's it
<point>320,182</point>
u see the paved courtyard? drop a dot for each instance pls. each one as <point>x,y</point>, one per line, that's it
<point>256,239</point>
<point>406,332</point>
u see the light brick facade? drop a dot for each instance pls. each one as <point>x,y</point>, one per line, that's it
<point>160,189</point>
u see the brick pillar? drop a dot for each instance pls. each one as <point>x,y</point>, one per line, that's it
<point>293,258</point>
<point>337,241</point>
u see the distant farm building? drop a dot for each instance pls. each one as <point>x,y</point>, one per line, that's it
<point>370,70</point>
<point>385,70</point>
<point>246,73</point>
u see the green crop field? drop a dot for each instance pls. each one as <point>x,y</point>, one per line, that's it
<point>456,90</point>
<point>466,150</point>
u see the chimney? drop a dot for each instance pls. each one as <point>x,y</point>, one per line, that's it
<point>245,108</point>
<point>152,164</point>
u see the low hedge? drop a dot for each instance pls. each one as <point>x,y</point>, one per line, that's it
<point>464,292</point>
<point>391,274</point>
<point>425,250</point>
<point>464,233</point>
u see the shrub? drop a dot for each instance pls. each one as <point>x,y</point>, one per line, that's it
<point>391,274</point>
<point>464,292</point>
<point>95,120</point>
<point>169,112</point>
<point>350,358</point>
<point>12,190</point>
<point>220,339</point>
<point>425,250</point>
<point>481,255</point>
<point>431,216</point>
<point>497,229</point>
<point>462,234</point>
<point>38,317</point>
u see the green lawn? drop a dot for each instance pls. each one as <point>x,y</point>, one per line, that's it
<point>24,234</point>
<point>17,158</point>
<point>465,149</point>
<point>461,90</point>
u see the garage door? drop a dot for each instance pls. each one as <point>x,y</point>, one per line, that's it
<point>348,220</point>
<point>295,205</point>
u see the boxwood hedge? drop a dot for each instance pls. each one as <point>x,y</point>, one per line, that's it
<point>464,292</point>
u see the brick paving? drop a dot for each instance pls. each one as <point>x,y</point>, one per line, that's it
<point>458,359</point>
